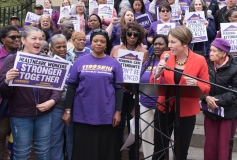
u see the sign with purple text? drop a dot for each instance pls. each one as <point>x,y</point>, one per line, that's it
<point>32,17</point>
<point>195,22</point>
<point>183,3</point>
<point>48,12</point>
<point>92,5</point>
<point>111,2</point>
<point>64,12</point>
<point>144,20</point>
<point>131,63</point>
<point>40,72</point>
<point>68,75</point>
<point>105,11</point>
<point>185,8</point>
<point>75,19</point>
<point>229,32</point>
<point>165,28</point>
<point>174,14</point>
<point>217,111</point>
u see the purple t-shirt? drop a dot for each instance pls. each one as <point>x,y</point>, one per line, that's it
<point>94,101</point>
<point>153,28</point>
<point>145,101</point>
<point>88,43</point>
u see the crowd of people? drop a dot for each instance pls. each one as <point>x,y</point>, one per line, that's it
<point>87,119</point>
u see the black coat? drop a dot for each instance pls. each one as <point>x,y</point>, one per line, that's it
<point>225,76</point>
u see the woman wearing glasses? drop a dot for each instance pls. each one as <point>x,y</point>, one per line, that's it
<point>29,108</point>
<point>164,13</point>
<point>10,39</point>
<point>183,60</point>
<point>80,10</point>
<point>96,99</point>
<point>132,36</point>
<point>79,49</point>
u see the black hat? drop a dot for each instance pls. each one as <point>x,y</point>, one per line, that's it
<point>14,17</point>
<point>39,6</point>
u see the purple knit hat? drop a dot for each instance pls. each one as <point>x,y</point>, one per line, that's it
<point>222,44</point>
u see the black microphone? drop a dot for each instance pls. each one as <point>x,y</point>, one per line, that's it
<point>166,57</point>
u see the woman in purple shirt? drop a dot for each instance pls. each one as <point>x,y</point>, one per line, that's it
<point>148,105</point>
<point>96,101</point>
<point>164,12</point>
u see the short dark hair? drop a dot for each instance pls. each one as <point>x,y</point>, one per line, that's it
<point>134,26</point>
<point>165,4</point>
<point>143,9</point>
<point>100,32</point>
<point>229,13</point>
<point>47,36</point>
<point>4,31</point>
<point>97,18</point>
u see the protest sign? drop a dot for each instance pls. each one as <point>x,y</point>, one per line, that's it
<point>32,17</point>
<point>64,12</point>
<point>144,20</point>
<point>105,11</point>
<point>195,22</point>
<point>111,2</point>
<point>48,12</point>
<point>229,32</point>
<point>174,14</point>
<point>185,8</point>
<point>165,28</point>
<point>131,63</point>
<point>68,75</point>
<point>75,19</point>
<point>92,5</point>
<point>183,3</point>
<point>40,72</point>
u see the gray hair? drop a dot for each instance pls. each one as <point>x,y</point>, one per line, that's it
<point>80,3</point>
<point>26,31</point>
<point>55,37</point>
<point>204,6</point>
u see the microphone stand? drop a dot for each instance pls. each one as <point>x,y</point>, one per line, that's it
<point>227,89</point>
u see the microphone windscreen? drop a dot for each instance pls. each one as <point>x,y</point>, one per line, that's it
<point>166,56</point>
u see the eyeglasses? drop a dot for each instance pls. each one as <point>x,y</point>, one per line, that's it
<point>14,37</point>
<point>167,11</point>
<point>130,34</point>
<point>100,30</point>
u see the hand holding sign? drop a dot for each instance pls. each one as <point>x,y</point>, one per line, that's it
<point>206,23</point>
<point>11,74</point>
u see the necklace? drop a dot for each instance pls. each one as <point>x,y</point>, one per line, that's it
<point>179,63</point>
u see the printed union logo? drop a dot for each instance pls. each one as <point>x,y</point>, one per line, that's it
<point>131,57</point>
<point>105,8</point>
<point>195,17</point>
<point>231,28</point>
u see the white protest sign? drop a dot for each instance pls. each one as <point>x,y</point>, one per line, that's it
<point>131,63</point>
<point>48,12</point>
<point>64,12</point>
<point>40,72</point>
<point>195,22</point>
<point>165,28</point>
<point>105,11</point>
<point>229,32</point>
<point>174,14</point>
<point>75,19</point>
<point>111,2</point>
<point>92,5</point>
<point>32,17</point>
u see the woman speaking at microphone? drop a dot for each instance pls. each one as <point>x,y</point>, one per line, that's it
<point>181,59</point>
